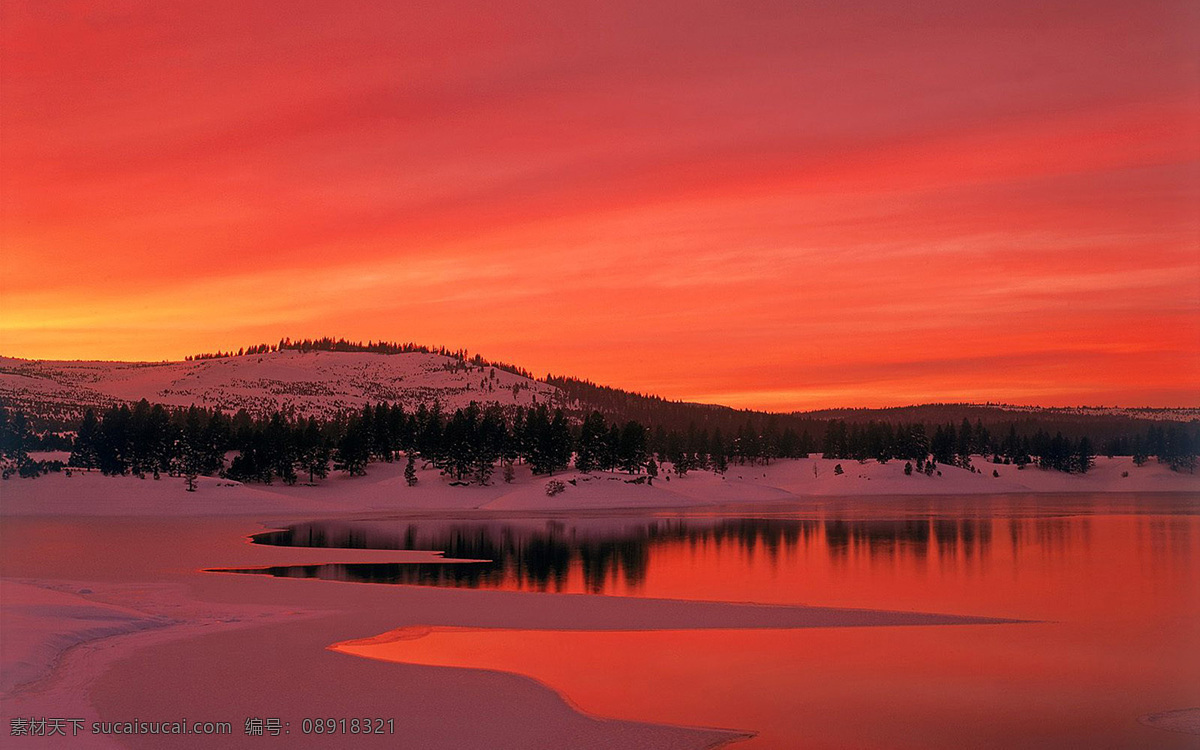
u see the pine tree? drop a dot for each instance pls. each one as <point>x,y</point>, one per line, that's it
<point>247,466</point>
<point>353,450</point>
<point>681,464</point>
<point>717,453</point>
<point>216,440</point>
<point>720,464</point>
<point>83,454</point>
<point>313,451</point>
<point>458,444</point>
<point>410,471</point>
<point>189,464</point>
<point>610,448</point>
<point>943,444</point>
<point>382,436</point>
<point>366,423</point>
<point>560,441</point>
<point>982,440</point>
<point>963,444</point>
<point>112,449</point>
<point>1179,450</point>
<point>280,448</point>
<point>591,442</point>
<point>1085,456</point>
<point>633,447</point>
<point>835,440</point>
<point>491,438</point>
<point>15,444</point>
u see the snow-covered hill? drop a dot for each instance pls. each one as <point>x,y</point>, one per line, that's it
<point>1179,414</point>
<point>954,412</point>
<point>318,384</point>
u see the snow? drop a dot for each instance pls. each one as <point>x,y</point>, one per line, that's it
<point>113,617</point>
<point>103,589</point>
<point>1176,414</point>
<point>316,384</point>
<point>41,623</point>
<point>87,493</point>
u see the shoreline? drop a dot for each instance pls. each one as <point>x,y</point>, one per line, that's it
<point>245,615</point>
<point>347,647</point>
<point>142,547</point>
<point>383,489</point>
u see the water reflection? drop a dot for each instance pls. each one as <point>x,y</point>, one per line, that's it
<point>1114,589</point>
<point>612,555</point>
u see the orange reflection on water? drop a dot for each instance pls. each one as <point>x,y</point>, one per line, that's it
<point>1116,600</point>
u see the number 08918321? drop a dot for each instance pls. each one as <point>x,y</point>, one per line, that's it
<point>348,726</point>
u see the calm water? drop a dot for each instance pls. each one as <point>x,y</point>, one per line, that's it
<point>1113,583</point>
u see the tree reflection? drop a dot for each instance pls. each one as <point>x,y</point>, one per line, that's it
<point>605,555</point>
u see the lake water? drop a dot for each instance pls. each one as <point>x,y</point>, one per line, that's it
<point>1111,586</point>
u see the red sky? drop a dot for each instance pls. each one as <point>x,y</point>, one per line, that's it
<point>770,204</point>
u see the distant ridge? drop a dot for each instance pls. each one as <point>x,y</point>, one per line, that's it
<point>328,377</point>
<point>927,411</point>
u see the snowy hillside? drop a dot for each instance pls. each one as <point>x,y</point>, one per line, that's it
<point>992,412</point>
<point>300,383</point>
<point>1180,414</point>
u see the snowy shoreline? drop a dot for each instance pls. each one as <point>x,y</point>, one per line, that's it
<point>103,588</point>
<point>384,488</point>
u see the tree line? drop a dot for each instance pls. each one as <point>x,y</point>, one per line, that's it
<point>471,443</point>
<point>328,344</point>
<point>1174,445</point>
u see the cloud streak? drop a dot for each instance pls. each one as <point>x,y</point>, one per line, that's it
<point>753,202</point>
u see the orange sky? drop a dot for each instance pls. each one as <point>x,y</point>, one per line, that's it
<point>771,204</point>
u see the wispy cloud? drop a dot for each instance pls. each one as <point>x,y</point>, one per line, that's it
<point>771,204</point>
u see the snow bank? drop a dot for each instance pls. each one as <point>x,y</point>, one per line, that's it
<point>384,489</point>
<point>41,623</point>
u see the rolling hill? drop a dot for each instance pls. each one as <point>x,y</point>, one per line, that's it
<point>317,384</point>
<point>324,384</point>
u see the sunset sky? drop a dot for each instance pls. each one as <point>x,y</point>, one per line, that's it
<point>781,205</point>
